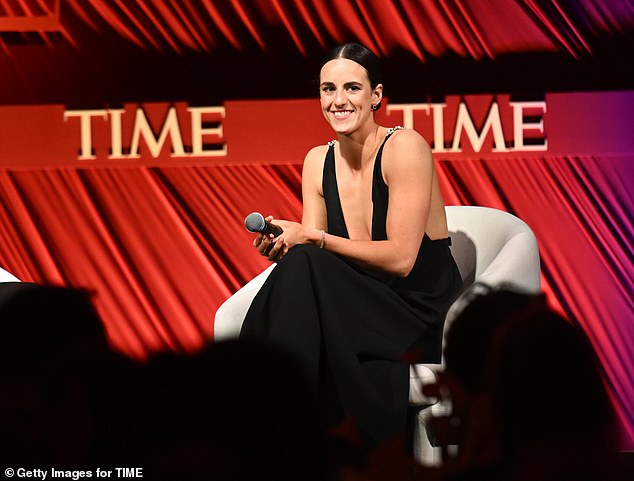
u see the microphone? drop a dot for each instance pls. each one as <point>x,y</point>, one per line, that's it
<point>255,222</point>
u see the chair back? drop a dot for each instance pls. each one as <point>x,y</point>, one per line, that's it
<point>494,249</point>
<point>493,246</point>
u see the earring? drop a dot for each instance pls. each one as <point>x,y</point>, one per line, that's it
<point>374,107</point>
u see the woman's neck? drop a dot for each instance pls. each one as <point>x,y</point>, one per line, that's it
<point>358,149</point>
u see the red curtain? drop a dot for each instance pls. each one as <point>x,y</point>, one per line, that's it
<point>162,248</point>
<point>423,27</point>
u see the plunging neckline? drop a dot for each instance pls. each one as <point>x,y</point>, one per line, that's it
<point>375,165</point>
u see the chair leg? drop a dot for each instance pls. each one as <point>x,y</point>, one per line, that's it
<point>423,446</point>
<point>410,429</point>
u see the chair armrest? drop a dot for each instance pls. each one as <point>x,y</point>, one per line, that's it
<point>420,375</point>
<point>230,315</point>
<point>6,276</point>
<point>516,264</point>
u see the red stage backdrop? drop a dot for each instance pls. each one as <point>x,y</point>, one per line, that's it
<point>144,204</point>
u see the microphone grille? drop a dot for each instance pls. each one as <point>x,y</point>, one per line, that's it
<point>254,222</point>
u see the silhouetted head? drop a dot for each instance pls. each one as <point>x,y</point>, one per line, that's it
<point>469,339</point>
<point>547,386</point>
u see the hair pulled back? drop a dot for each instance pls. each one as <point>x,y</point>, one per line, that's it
<point>361,55</point>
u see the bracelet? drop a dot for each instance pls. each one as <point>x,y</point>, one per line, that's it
<point>323,239</point>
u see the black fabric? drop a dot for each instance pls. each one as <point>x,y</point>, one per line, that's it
<point>355,331</point>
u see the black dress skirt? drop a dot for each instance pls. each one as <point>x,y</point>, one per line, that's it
<point>356,331</point>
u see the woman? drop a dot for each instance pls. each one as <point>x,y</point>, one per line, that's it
<point>365,279</point>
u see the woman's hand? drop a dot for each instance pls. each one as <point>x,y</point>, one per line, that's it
<point>294,233</point>
<point>275,248</point>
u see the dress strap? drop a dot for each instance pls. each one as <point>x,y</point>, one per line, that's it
<point>391,130</point>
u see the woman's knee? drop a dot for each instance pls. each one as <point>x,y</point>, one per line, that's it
<point>295,261</point>
<point>303,251</point>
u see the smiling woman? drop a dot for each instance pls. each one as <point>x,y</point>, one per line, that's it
<point>363,282</point>
<point>345,96</point>
<point>351,83</point>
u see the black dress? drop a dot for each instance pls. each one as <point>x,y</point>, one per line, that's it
<point>356,331</point>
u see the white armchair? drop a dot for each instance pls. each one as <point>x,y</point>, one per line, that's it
<point>490,246</point>
<point>6,276</point>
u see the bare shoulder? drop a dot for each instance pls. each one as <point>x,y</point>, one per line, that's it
<point>314,163</point>
<point>314,160</point>
<point>406,149</point>
<point>316,154</point>
<point>408,140</point>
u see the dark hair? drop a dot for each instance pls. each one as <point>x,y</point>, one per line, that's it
<point>361,55</point>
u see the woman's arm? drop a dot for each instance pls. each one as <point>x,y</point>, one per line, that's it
<point>313,203</point>
<point>408,171</point>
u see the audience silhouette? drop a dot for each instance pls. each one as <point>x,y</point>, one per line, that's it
<point>553,415</point>
<point>528,399</point>
<point>235,411</point>
<point>52,354</point>
<point>528,402</point>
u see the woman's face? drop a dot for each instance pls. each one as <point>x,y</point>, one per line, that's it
<point>346,95</point>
